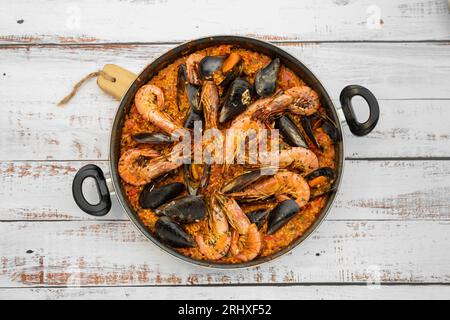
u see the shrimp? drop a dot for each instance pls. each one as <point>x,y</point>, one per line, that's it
<point>209,100</point>
<point>192,68</point>
<point>246,247</point>
<point>137,169</point>
<point>300,100</point>
<point>149,100</point>
<point>281,184</point>
<point>236,217</point>
<point>298,158</point>
<point>216,243</point>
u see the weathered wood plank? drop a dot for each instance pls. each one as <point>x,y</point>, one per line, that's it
<point>35,129</point>
<point>178,20</point>
<point>370,190</point>
<point>394,292</point>
<point>114,253</point>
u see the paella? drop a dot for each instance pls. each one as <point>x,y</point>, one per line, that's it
<point>227,155</point>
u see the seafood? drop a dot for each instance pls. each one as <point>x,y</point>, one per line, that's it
<point>237,99</point>
<point>266,79</point>
<point>299,158</point>
<point>215,243</point>
<point>192,71</point>
<point>281,214</point>
<point>320,181</point>
<point>236,217</point>
<point>246,247</point>
<point>281,184</point>
<point>188,89</point>
<point>151,197</point>
<point>215,209</point>
<point>258,217</point>
<point>299,100</point>
<point>290,132</point>
<point>209,100</point>
<point>171,233</point>
<point>152,138</point>
<point>149,100</point>
<point>185,210</point>
<point>140,166</point>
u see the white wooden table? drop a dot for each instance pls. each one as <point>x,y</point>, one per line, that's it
<point>391,221</point>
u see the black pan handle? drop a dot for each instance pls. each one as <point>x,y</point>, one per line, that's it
<point>93,171</point>
<point>356,127</point>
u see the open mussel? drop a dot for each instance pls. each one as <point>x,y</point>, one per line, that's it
<point>258,217</point>
<point>221,69</point>
<point>231,69</point>
<point>290,132</point>
<point>152,197</point>
<point>281,214</point>
<point>320,181</point>
<point>237,99</point>
<point>246,179</point>
<point>308,129</point>
<point>185,210</point>
<point>266,79</point>
<point>172,234</point>
<point>196,179</point>
<point>152,138</point>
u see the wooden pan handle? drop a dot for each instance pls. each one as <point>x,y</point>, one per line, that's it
<point>115,80</point>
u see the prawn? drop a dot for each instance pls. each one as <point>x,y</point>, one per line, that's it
<point>140,166</point>
<point>246,247</point>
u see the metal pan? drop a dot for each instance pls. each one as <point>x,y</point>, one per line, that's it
<point>169,57</point>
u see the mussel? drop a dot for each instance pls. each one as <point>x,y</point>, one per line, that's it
<point>266,79</point>
<point>185,210</point>
<point>151,197</point>
<point>320,181</point>
<point>184,87</point>
<point>237,99</point>
<point>246,179</point>
<point>307,127</point>
<point>191,117</point>
<point>290,132</point>
<point>196,182</point>
<point>209,65</point>
<point>152,138</point>
<point>281,214</point>
<point>172,234</point>
<point>258,217</point>
<point>231,69</point>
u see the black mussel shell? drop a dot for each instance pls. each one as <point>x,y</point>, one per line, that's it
<point>183,86</point>
<point>185,210</point>
<point>266,79</point>
<point>281,214</point>
<point>307,127</point>
<point>210,64</point>
<point>319,190</point>
<point>172,234</point>
<point>152,138</point>
<point>237,99</point>
<point>152,198</point>
<point>290,132</point>
<point>246,179</point>
<point>191,117</point>
<point>232,74</point>
<point>331,130</point>
<point>195,187</point>
<point>258,217</point>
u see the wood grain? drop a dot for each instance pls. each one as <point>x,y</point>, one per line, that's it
<point>310,292</point>
<point>179,20</point>
<point>35,129</point>
<point>83,253</point>
<point>373,190</point>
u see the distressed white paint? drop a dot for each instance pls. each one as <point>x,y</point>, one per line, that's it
<point>175,20</point>
<point>115,253</point>
<point>370,190</point>
<point>232,293</point>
